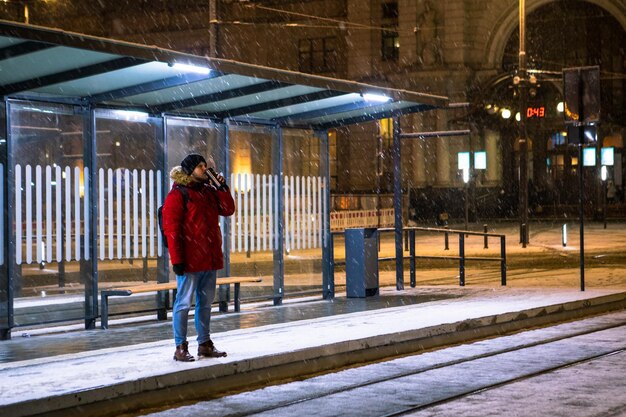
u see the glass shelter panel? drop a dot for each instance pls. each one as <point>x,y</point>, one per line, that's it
<point>48,212</point>
<point>129,191</point>
<point>253,226</point>
<point>304,208</point>
<point>186,136</point>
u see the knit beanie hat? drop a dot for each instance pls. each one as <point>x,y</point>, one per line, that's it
<point>190,162</point>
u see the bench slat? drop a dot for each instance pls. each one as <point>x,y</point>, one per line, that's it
<point>137,289</point>
<point>234,280</point>
<point>165,286</point>
<point>151,287</point>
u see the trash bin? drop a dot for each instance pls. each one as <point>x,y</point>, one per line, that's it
<point>361,262</point>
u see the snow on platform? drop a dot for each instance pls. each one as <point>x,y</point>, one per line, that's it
<point>99,381</point>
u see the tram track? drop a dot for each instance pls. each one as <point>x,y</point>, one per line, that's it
<point>348,390</point>
<point>500,384</point>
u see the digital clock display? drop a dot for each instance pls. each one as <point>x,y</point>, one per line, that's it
<point>538,112</point>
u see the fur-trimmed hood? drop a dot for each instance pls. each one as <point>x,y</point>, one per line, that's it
<point>178,175</point>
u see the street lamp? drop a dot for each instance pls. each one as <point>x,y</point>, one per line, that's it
<point>521,80</point>
<point>466,178</point>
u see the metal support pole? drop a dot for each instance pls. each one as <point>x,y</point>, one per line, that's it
<point>406,240</point>
<point>89,266</point>
<point>214,28</point>
<point>397,203</point>
<point>227,222</point>
<point>466,204</point>
<point>523,158</point>
<point>486,242</point>
<point>604,202</point>
<point>7,266</point>
<point>503,260</point>
<point>224,289</point>
<point>279,207</point>
<point>412,259</point>
<point>328,278</point>
<point>328,264</point>
<point>162,267</point>
<point>462,259</point>
<point>581,209</point>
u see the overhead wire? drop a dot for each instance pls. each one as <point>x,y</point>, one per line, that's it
<point>344,24</point>
<point>308,16</point>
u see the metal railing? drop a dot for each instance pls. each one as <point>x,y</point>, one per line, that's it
<point>462,258</point>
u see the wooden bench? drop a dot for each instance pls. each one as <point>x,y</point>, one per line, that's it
<point>167,286</point>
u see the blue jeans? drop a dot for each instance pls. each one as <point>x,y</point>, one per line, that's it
<point>203,285</point>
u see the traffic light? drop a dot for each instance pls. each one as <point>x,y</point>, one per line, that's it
<point>581,88</point>
<point>590,135</point>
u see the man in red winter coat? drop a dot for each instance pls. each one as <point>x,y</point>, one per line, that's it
<point>194,240</point>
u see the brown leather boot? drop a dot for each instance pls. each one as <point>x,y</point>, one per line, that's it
<point>182,353</point>
<point>208,350</point>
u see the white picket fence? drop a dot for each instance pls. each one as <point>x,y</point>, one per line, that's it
<point>127,203</point>
<point>254,227</point>
<point>52,211</point>
<point>42,232</point>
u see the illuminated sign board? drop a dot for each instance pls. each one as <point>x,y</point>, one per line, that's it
<point>589,157</point>
<point>464,160</point>
<point>480,160</point>
<point>607,156</point>
<point>581,90</point>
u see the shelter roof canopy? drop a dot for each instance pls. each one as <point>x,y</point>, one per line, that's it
<point>59,66</point>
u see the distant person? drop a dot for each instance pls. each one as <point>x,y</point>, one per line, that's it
<point>611,192</point>
<point>191,227</point>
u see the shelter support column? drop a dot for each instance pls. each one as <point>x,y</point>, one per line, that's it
<point>6,261</point>
<point>163,270</point>
<point>397,202</point>
<point>227,223</point>
<point>89,262</point>
<point>279,206</point>
<point>328,278</point>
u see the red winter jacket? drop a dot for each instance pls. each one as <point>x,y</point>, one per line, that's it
<point>193,235</point>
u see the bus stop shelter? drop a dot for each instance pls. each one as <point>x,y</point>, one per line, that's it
<point>89,127</point>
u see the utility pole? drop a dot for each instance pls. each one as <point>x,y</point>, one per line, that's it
<point>521,80</point>
<point>213,28</point>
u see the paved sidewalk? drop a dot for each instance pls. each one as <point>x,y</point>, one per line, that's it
<point>303,338</point>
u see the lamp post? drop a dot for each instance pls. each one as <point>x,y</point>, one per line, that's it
<point>603,175</point>
<point>521,80</point>
<point>466,178</point>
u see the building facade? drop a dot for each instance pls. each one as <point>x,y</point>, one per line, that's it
<point>464,49</point>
